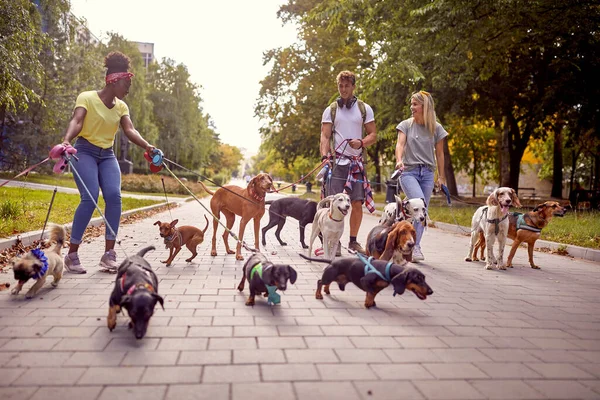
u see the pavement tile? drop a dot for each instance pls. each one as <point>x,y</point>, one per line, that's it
<point>325,390</point>
<point>133,392</point>
<point>111,376</point>
<point>205,357</point>
<point>230,373</point>
<point>262,356</point>
<point>401,371</point>
<point>39,359</point>
<point>387,390</point>
<point>17,393</point>
<point>289,372</point>
<point>263,391</point>
<point>172,375</point>
<point>448,390</point>
<point>67,392</point>
<point>198,392</point>
<point>562,389</point>
<point>50,376</point>
<point>507,389</point>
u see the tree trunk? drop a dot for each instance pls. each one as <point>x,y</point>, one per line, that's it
<point>596,172</point>
<point>504,144</point>
<point>557,173</point>
<point>449,170</point>
<point>474,175</point>
<point>574,157</point>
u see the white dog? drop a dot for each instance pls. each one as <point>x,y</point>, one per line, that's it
<point>329,220</point>
<point>404,210</point>
<point>493,221</point>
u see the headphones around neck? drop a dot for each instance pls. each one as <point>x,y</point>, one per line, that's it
<point>349,103</point>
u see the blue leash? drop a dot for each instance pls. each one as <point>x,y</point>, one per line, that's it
<point>369,268</point>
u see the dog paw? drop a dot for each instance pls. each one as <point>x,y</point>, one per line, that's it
<point>240,288</point>
<point>283,243</point>
<point>489,266</point>
<point>535,267</point>
<point>250,302</point>
<point>188,260</point>
<point>502,267</point>
<point>468,259</point>
<point>229,252</point>
<point>15,291</point>
<point>369,304</point>
<point>239,257</point>
<point>54,284</point>
<point>164,262</point>
<point>319,296</point>
<point>474,259</point>
<point>213,253</point>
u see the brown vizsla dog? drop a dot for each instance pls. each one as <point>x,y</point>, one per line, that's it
<point>249,203</point>
<point>176,238</point>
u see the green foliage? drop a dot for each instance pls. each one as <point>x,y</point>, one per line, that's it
<point>9,209</point>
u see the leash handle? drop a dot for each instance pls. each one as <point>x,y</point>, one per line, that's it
<point>447,193</point>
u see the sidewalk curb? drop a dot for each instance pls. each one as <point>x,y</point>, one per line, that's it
<point>29,237</point>
<point>574,251</point>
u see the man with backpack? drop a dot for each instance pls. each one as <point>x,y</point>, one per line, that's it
<point>342,143</point>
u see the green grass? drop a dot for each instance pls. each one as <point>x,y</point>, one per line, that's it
<point>27,209</point>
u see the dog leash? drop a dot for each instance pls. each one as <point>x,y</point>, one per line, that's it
<point>370,269</point>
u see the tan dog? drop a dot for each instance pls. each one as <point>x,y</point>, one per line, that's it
<point>249,203</point>
<point>176,238</point>
<point>534,221</point>
<point>32,266</point>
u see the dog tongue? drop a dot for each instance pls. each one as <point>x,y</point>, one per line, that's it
<point>504,209</point>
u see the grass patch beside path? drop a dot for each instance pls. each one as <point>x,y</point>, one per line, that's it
<point>24,210</point>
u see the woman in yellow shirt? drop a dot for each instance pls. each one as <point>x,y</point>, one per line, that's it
<point>95,122</point>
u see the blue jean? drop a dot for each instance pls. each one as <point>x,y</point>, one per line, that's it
<point>98,169</point>
<point>418,183</point>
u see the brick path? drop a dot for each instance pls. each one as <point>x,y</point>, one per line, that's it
<point>517,334</point>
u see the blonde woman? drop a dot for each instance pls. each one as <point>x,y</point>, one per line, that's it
<point>418,137</point>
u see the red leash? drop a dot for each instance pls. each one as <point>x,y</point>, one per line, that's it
<point>26,171</point>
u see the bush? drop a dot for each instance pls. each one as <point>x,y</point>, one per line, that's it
<point>153,184</point>
<point>220,179</point>
<point>9,209</point>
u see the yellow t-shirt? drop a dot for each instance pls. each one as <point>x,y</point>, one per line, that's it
<point>101,123</point>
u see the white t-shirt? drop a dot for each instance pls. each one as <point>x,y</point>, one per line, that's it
<point>348,125</point>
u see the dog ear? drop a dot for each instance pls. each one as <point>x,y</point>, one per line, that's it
<point>492,199</point>
<point>424,202</point>
<point>293,274</point>
<point>390,244</point>
<point>399,282</point>
<point>174,222</point>
<point>157,223</point>
<point>159,299</point>
<point>515,198</point>
<point>538,207</point>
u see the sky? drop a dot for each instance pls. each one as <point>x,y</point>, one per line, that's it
<point>221,43</point>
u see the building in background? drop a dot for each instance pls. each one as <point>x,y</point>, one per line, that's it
<point>147,50</point>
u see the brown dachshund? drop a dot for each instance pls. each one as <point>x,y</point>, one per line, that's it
<point>534,221</point>
<point>176,238</point>
<point>249,203</point>
<point>371,279</point>
<point>392,242</point>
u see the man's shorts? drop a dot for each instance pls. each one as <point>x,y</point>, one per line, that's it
<point>339,176</point>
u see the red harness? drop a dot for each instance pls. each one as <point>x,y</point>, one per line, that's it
<point>133,288</point>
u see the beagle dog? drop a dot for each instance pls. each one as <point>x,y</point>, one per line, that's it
<point>392,242</point>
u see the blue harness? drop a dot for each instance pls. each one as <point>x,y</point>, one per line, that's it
<point>370,269</point>
<point>39,254</point>
<point>521,224</point>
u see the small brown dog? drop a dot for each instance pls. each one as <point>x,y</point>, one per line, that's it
<point>394,242</point>
<point>38,264</point>
<point>527,230</point>
<point>175,238</point>
<point>232,200</point>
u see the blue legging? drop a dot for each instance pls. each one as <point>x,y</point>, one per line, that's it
<point>98,169</point>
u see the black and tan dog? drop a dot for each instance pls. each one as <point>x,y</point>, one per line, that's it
<point>352,269</point>
<point>261,273</point>
<point>38,264</point>
<point>136,290</point>
<point>527,228</point>
<point>300,209</point>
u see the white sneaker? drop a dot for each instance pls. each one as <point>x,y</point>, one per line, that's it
<point>109,261</point>
<point>417,254</point>
<point>73,265</point>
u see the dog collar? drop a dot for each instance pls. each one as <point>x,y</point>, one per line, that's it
<point>255,196</point>
<point>495,221</point>
<point>39,254</point>
<point>331,217</point>
<point>133,288</point>
<point>272,297</point>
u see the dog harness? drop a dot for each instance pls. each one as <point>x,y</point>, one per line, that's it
<point>39,254</point>
<point>170,240</point>
<point>370,269</point>
<point>273,297</point>
<point>495,221</point>
<point>521,224</point>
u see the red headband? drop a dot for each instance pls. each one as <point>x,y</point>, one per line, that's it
<point>112,78</point>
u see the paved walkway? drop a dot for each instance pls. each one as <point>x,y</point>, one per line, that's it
<point>517,334</point>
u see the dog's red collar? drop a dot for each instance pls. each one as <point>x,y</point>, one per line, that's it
<point>255,196</point>
<point>336,220</point>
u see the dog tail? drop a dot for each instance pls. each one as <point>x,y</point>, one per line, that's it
<point>143,251</point>
<point>321,260</point>
<point>206,227</point>
<point>57,234</point>
<point>205,188</point>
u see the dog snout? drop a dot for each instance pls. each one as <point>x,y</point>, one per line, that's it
<point>429,291</point>
<point>410,244</point>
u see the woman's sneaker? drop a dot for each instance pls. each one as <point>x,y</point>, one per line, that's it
<point>109,261</point>
<point>73,265</point>
<point>418,254</point>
